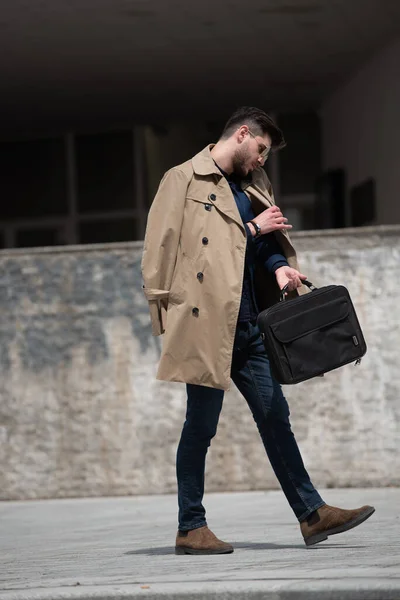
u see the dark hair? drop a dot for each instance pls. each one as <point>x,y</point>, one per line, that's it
<point>258,121</point>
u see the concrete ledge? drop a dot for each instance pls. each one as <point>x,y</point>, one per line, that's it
<point>381,230</point>
<point>71,249</point>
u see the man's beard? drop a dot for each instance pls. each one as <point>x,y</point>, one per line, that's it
<point>239,162</point>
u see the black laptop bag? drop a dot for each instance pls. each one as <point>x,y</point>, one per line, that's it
<point>311,334</point>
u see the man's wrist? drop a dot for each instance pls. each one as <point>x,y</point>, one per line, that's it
<point>281,267</point>
<point>252,228</point>
<point>256,228</point>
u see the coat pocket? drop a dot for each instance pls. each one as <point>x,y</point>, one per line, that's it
<point>184,266</point>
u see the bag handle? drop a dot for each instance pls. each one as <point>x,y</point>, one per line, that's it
<point>285,289</point>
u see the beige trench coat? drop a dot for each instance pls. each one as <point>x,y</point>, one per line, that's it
<point>192,266</point>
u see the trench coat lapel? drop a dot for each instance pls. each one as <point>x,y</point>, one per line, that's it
<point>263,196</point>
<point>204,165</point>
<point>257,196</point>
<point>225,202</point>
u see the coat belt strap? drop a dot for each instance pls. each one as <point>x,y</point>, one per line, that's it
<point>154,294</point>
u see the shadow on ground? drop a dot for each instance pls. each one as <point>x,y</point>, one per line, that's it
<point>165,550</point>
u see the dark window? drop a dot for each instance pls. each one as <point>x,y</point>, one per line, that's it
<point>113,230</point>
<point>330,210</point>
<point>30,238</point>
<point>363,203</point>
<point>105,171</point>
<point>300,160</point>
<point>32,179</point>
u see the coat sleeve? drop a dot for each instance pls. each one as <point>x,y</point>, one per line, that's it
<point>161,241</point>
<point>269,253</point>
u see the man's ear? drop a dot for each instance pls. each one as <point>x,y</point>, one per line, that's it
<point>241,133</point>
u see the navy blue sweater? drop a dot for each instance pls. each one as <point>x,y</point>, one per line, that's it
<point>264,250</point>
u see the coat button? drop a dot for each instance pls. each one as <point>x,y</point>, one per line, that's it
<point>200,276</point>
<point>195,311</point>
<point>212,197</point>
<point>208,206</point>
<point>205,241</point>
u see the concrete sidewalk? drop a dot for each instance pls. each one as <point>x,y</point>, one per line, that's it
<point>114,548</point>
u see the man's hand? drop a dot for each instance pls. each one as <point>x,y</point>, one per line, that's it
<point>290,277</point>
<point>270,220</point>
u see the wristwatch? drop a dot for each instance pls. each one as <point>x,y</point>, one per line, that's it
<point>257,228</point>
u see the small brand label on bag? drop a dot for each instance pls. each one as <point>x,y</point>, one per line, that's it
<point>355,340</point>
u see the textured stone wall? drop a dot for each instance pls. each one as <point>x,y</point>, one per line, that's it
<point>81,413</point>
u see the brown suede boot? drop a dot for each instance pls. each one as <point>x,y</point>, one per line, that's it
<point>329,520</point>
<point>200,541</point>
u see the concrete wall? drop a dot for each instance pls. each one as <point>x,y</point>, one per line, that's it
<point>81,413</point>
<point>360,125</point>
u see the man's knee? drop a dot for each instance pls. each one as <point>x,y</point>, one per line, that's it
<point>275,410</point>
<point>202,433</point>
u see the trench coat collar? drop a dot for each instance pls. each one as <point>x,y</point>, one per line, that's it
<point>203,163</point>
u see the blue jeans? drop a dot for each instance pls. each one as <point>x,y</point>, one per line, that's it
<point>252,375</point>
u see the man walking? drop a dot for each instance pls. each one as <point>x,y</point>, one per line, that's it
<point>216,252</point>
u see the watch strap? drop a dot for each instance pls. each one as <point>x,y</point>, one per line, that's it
<point>257,228</point>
